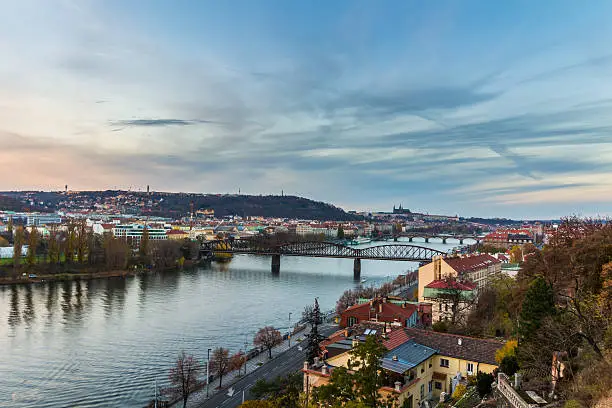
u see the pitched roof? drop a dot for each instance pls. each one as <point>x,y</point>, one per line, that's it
<point>471,263</point>
<point>440,284</point>
<point>407,356</point>
<point>452,345</point>
<point>395,339</point>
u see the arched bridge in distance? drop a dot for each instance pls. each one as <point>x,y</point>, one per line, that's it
<point>389,252</point>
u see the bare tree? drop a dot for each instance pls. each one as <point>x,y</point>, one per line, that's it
<point>455,298</point>
<point>237,361</point>
<point>184,376</point>
<point>220,363</point>
<point>268,337</point>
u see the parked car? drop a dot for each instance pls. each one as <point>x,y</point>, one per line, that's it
<point>32,275</point>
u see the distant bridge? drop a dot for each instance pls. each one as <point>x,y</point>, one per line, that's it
<point>391,252</point>
<point>444,237</point>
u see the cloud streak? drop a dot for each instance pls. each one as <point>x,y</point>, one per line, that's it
<point>450,122</point>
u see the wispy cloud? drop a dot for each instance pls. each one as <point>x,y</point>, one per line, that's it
<point>411,110</point>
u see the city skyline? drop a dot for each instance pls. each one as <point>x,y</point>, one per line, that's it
<point>471,108</point>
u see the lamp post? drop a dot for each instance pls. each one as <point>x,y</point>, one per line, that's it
<point>207,371</point>
<point>289,338</point>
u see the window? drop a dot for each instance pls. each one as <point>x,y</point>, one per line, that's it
<point>444,362</point>
<point>438,385</point>
<point>470,368</point>
<point>422,391</point>
<point>430,386</point>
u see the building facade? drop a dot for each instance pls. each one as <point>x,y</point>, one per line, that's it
<point>132,233</point>
<point>470,274</point>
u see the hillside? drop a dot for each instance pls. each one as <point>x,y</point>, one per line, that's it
<point>176,205</point>
<point>246,205</point>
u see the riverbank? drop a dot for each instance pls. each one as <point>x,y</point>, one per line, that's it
<point>85,275</point>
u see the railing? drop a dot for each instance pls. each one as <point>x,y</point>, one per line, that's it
<point>510,394</point>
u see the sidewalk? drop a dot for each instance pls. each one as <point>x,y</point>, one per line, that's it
<point>200,396</point>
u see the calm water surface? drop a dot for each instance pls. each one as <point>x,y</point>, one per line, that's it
<point>102,343</point>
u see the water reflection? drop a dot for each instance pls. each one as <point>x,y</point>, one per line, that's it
<point>28,311</point>
<point>14,317</point>
<point>66,304</point>
<point>51,301</point>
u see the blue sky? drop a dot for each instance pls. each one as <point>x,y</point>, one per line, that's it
<point>459,107</point>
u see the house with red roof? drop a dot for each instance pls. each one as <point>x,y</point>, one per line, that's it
<point>419,364</point>
<point>402,314</point>
<point>444,280</point>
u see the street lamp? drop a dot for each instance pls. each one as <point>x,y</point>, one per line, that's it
<point>207,371</point>
<point>289,338</point>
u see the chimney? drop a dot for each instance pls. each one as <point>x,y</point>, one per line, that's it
<point>398,386</point>
<point>345,332</point>
<point>305,365</point>
<point>380,307</point>
<point>324,369</point>
<point>316,361</point>
<point>394,358</point>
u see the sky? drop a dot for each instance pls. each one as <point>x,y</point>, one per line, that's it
<point>476,108</point>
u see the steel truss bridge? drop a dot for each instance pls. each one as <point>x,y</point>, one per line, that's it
<point>389,252</point>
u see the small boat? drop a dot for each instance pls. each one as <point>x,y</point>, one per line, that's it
<point>359,241</point>
<point>364,280</point>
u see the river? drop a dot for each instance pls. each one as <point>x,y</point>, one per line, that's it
<point>104,342</point>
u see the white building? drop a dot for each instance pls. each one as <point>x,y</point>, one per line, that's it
<point>303,229</point>
<point>7,252</point>
<point>132,233</point>
<point>43,219</point>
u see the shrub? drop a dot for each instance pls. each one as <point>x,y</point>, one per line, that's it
<point>483,383</point>
<point>459,392</point>
<point>509,365</point>
<point>573,404</point>
<point>440,326</point>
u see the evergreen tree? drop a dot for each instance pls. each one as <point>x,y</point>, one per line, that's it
<point>17,245</point>
<point>340,232</point>
<point>32,245</point>
<point>9,228</point>
<point>539,302</point>
<point>53,247</point>
<point>314,338</point>
<point>143,249</point>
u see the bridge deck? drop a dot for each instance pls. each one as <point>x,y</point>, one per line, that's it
<point>393,252</point>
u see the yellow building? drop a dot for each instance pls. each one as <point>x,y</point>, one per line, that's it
<point>421,364</point>
<point>177,235</point>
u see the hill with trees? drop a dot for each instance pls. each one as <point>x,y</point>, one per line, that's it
<point>176,205</point>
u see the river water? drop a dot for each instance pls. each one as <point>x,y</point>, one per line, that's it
<point>104,342</point>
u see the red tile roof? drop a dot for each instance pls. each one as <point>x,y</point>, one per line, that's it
<point>395,339</point>
<point>471,263</point>
<point>440,284</point>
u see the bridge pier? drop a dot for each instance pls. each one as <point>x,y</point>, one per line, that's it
<point>444,240</point>
<point>275,264</point>
<point>395,238</point>
<point>426,239</point>
<point>460,241</point>
<point>357,269</point>
<point>409,239</point>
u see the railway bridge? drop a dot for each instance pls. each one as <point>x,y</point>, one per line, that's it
<point>389,252</point>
